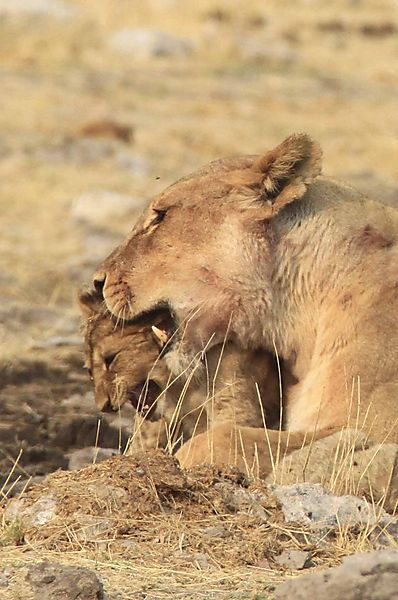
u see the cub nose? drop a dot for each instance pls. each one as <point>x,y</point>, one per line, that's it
<point>99,281</point>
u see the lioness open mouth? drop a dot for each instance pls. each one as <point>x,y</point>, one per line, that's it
<point>163,322</point>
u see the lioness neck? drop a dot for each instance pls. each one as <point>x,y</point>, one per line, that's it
<point>318,265</point>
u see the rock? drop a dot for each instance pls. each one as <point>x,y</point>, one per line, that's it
<point>294,559</point>
<point>385,533</point>
<point>96,208</point>
<point>148,43</point>
<point>218,531</point>
<point>310,504</point>
<point>370,576</point>
<point>22,486</point>
<point>93,529</point>
<point>5,575</point>
<point>37,8</point>
<point>53,581</point>
<point>240,499</point>
<point>39,513</point>
<point>344,462</point>
<point>88,456</point>
<point>199,559</point>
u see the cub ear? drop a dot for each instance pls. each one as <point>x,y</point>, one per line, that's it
<point>90,303</point>
<point>285,172</point>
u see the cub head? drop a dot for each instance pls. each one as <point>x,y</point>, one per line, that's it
<point>120,359</point>
<point>203,250</point>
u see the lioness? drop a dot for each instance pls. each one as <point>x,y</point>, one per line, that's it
<point>265,248</point>
<point>125,365</point>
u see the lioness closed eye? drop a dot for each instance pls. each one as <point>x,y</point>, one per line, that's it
<point>283,259</point>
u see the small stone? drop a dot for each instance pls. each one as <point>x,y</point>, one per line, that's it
<point>368,576</point>
<point>385,533</point>
<point>39,513</point>
<point>53,581</point>
<point>294,559</point>
<point>218,531</point>
<point>310,504</point>
<point>93,529</point>
<point>88,456</point>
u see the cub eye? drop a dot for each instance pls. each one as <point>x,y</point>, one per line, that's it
<point>159,216</point>
<point>108,359</point>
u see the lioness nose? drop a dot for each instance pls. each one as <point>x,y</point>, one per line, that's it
<point>99,281</point>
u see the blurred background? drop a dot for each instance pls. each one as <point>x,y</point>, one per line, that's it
<point>105,102</point>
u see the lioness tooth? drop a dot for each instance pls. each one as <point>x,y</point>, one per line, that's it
<point>161,336</point>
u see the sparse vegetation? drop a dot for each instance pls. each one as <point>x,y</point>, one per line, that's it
<point>254,73</point>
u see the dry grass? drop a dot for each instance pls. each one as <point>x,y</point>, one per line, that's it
<point>340,85</point>
<point>142,524</point>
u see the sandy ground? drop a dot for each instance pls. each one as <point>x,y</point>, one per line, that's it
<point>230,78</point>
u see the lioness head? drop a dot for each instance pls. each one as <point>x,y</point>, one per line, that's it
<point>120,358</point>
<point>203,249</point>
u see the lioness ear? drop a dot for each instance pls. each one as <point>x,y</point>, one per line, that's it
<point>89,302</point>
<point>282,175</point>
<point>285,172</point>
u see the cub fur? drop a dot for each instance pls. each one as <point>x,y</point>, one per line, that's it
<point>125,365</point>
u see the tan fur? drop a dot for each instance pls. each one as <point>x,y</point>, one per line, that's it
<point>121,357</point>
<point>280,257</point>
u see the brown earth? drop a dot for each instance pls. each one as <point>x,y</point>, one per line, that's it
<point>81,118</point>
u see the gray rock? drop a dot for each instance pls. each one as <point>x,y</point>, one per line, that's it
<point>39,513</point>
<point>370,576</point>
<point>22,486</point>
<point>96,208</point>
<point>218,531</point>
<point>310,504</point>
<point>242,500</point>
<point>148,43</point>
<point>344,462</point>
<point>294,559</point>
<point>93,529</point>
<point>37,8</point>
<point>53,581</point>
<point>88,456</point>
<point>385,533</point>
<point>5,575</point>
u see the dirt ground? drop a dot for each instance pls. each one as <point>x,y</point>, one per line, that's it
<point>90,117</point>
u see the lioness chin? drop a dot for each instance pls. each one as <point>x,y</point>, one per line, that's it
<point>126,366</point>
<point>265,249</point>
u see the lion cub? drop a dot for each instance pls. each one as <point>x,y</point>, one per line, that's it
<point>126,365</point>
